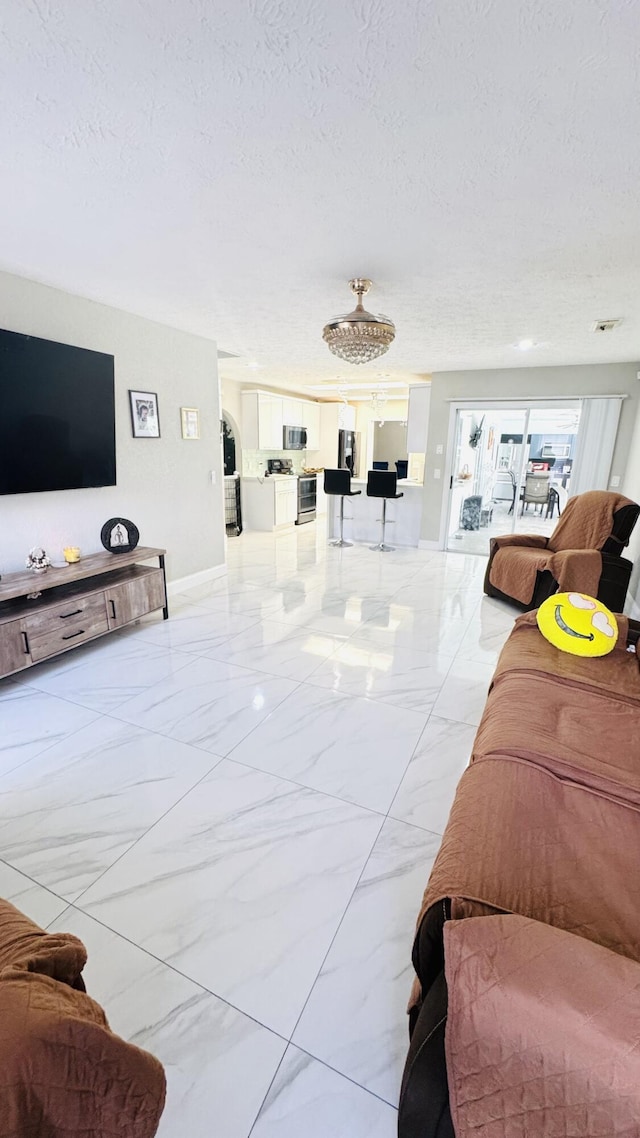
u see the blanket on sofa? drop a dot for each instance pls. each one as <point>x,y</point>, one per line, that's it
<point>554,771</point>
<point>514,571</point>
<point>63,1072</point>
<point>572,553</point>
<point>543,1032</point>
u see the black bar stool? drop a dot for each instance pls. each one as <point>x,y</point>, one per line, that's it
<point>383,484</point>
<point>338,483</point>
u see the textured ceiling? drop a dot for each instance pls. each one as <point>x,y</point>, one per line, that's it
<point>226,166</point>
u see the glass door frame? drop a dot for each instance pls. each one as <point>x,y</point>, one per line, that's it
<point>457,405</point>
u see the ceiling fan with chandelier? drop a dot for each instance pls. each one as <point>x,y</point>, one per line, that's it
<point>359,336</point>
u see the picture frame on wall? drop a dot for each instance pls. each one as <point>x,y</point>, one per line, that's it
<point>145,416</point>
<point>190,420</point>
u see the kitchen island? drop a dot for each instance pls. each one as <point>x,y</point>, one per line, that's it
<point>362,515</point>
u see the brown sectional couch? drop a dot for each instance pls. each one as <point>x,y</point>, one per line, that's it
<point>542,849</point>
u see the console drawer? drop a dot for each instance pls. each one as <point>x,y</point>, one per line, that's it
<point>55,629</point>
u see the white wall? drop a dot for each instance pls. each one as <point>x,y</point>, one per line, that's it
<point>520,383</point>
<point>390,442</point>
<point>393,410</point>
<point>163,484</point>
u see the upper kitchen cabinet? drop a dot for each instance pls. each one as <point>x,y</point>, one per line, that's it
<point>264,415</point>
<point>311,422</point>
<point>418,419</point>
<point>262,420</point>
<point>292,412</point>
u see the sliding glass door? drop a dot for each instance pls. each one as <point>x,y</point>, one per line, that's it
<point>510,471</point>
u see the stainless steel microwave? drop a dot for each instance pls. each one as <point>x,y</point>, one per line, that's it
<point>294,438</point>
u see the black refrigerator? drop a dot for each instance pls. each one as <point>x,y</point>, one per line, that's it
<point>347,451</point>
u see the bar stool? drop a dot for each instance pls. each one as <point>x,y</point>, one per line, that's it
<point>338,484</point>
<point>383,484</point>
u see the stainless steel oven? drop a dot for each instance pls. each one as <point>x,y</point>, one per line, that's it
<point>307,490</point>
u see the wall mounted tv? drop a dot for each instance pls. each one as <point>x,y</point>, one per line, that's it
<point>57,416</point>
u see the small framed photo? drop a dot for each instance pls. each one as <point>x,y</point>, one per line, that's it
<point>145,418</point>
<point>190,418</point>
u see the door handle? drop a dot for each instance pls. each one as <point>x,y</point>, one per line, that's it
<point>25,643</point>
<point>71,635</point>
<point>65,615</point>
<point>113,608</point>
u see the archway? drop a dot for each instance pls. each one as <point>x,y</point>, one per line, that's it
<point>230,441</point>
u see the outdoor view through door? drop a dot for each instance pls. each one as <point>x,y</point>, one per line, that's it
<point>511,472</point>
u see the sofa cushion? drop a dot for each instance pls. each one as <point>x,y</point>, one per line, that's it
<point>543,1032</point>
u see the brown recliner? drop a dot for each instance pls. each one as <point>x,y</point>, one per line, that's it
<point>607,540</point>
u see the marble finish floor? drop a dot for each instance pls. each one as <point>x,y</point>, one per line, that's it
<point>531,520</point>
<point>237,811</point>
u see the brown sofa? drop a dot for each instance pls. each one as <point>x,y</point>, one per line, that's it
<point>63,1072</point>
<point>539,865</point>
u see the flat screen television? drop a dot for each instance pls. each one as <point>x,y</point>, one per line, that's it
<point>57,416</point>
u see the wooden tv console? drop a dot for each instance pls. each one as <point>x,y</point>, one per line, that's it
<point>77,603</point>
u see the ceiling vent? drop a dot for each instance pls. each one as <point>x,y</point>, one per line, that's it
<point>606,325</point>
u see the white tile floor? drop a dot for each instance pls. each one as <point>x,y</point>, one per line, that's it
<point>237,811</point>
<point>531,520</point>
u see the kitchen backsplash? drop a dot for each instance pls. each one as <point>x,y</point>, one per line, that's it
<point>254,462</point>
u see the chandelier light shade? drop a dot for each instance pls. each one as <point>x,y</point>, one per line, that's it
<point>360,336</point>
<point>378,400</point>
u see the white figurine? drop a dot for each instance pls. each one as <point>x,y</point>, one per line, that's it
<point>38,560</point>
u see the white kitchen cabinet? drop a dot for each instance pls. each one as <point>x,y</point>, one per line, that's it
<point>265,414</point>
<point>262,421</point>
<point>311,421</point>
<point>268,503</point>
<point>286,502</point>
<point>418,419</point>
<point>292,414</point>
<point>270,420</point>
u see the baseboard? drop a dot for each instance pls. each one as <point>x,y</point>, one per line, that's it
<point>433,545</point>
<point>182,583</point>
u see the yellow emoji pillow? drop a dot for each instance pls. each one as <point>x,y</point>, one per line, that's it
<point>579,624</point>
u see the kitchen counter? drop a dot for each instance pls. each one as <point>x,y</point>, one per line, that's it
<point>404,515</point>
<point>271,478</point>
<point>269,503</point>
<point>402,483</point>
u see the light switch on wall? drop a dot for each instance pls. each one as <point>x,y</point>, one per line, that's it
<point>436,472</point>
<point>439,449</point>
<point>615,481</point>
